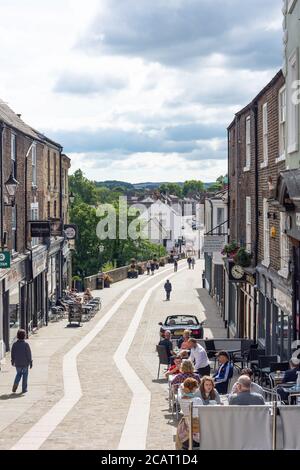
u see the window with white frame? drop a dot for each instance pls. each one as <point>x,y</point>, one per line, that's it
<point>248,143</point>
<point>266,260</point>
<point>284,246</point>
<point>282,123</point>
<point>34,181</point>
<point>14,228</point>
<point>34,209</point>
<point>292,104</point>
<point>265,134</point>
<point>13,155</point>
<point>248,225</point>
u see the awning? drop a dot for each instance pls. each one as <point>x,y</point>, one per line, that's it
<point>288,188</point>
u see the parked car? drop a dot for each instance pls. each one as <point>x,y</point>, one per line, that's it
<point>178,323</point>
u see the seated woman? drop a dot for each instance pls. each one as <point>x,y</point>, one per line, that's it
<point>188,392</point>
<point>174,369</point>
<point>183,342</point>
<point>87,296</point>
<point>186,372</point>
<point>208,392</point>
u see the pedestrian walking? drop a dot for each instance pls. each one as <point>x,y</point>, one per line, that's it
<point>193,263</point>
<point>175,266</point>
<point>168,289</point>
<point>189,260</point>
<point>153,267</point>
<point>148,266</point>
<point>21,359</point>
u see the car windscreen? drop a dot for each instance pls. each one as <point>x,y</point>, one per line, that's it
<point>182,321</point>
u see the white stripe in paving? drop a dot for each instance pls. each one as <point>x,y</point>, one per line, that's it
<point>134,435</point>
<point>41,431</point>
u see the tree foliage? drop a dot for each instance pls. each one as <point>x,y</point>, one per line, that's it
<point>192,188</point>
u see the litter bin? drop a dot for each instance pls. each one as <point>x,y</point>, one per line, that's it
<point>100,282</point>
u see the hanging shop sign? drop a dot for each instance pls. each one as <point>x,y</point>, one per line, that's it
<point>4,259</point>
<point>56,228</point>
<point>213,243</point>
<point>39,229</point>
<point>71,231</point>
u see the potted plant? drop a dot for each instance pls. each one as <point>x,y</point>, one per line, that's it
<point>243,258</point>
<point>231,250</point>
<point>107,279</point>
<point>77,283</point>
<point>140,268</point>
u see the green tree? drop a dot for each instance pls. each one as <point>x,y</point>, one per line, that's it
<point>83,189</point>
<point>171,188</point>
<point>192,188</point>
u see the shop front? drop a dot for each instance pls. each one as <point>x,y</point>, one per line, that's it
<point>248,299</point>
<point>275,318</point>
<point>55,270</point>
<point>38,292</point>
<point>13,301</point>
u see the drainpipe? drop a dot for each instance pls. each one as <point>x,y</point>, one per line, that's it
<point>255,110</point>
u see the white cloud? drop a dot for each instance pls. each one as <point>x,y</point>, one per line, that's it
<point>62,86</point>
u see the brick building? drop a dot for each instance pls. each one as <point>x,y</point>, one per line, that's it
<point>259,305</point>
<point>24,287</point>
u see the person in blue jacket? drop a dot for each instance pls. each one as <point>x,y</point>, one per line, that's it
<point>224,372</point>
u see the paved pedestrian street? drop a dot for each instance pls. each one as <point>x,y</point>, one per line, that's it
<point>96,387</point>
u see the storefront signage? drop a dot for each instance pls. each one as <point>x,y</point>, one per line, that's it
<point>71,232</point>
<point>250,280</point>
<point>4,259</point>
<point>39,229</point>
<point>15,275</point>
<point>39,264</point>
<point>214,243</point>
<point>283,300</point>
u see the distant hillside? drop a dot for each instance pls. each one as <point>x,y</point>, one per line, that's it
<point>137,186</point>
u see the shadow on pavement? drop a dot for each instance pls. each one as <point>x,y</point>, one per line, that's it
<point>12,396</point>
<point>159,381</point>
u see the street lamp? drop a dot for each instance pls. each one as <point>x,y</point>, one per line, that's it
<point>101,249</point>
<point>71,197</point>
<point>11,188</point>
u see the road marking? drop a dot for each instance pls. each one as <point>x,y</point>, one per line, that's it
<point>134,435</point>
<point>40,432</point>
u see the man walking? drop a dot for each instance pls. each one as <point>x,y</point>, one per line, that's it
<point>168,289</point>
<point>21,358</point>
<point>189,260</point>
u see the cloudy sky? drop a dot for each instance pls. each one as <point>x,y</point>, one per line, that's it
<point>138,90</point>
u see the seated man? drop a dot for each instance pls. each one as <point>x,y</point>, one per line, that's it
<point>244,396</point>
<point>167,343</point>
<point>224,372</point>
<point>289,376</point>
<point>255,388</point>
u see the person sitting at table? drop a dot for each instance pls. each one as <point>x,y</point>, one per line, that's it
<point>87,296</point>
<point>175,368</point>
<point>243,395</point>
<point>187,371</point>
<point>167,343</point>
<point>289,376</point>
<point>255,388</point>
<point>183,342</point>
<point>224,372</point>
<point>199,357</point>
<point>188,392</point>
<point>208,392</point>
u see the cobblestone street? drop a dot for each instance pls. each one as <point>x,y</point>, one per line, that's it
<point>99,418</point>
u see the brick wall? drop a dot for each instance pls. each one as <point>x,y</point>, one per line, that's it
<point>271,172</point>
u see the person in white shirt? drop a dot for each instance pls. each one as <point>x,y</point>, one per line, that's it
<point>199,357</point>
